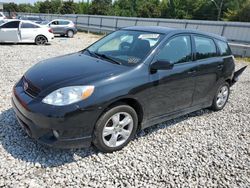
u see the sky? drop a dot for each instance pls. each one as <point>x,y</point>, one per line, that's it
<point>26,1</point>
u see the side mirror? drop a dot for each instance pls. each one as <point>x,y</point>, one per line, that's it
<point>161,65</point>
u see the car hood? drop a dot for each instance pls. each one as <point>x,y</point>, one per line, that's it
<point>70,69</point>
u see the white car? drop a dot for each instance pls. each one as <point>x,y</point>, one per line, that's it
<point>17,31</point>
<point>2,16</point>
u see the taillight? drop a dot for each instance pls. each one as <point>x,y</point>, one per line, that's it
<point>50,30</point>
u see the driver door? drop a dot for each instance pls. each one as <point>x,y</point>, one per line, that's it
<point>172,90</point>
<point>10,32</point>
<point>55,26</point>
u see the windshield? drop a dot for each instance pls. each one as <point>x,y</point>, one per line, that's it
<point>125,47</point>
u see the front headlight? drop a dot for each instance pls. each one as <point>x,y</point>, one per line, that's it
<point>68,95</point>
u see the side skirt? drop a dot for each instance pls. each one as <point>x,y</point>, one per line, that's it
<point>173,115</point>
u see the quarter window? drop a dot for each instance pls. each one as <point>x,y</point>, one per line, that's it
<point>205,48</point>
<point>11,25</point>
<point>224,48</point>
<point>177,50</point>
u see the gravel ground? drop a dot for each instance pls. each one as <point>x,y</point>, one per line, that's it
<point>202,149</point>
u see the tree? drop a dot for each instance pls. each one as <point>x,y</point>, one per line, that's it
<point>242,14</point>
<point>11,7</point>
<point>123,8</point>
<point>101,7</point>
<point>68,7</point>
<point>148,8</point>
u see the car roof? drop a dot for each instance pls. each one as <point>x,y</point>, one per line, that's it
<point>61,20</point>
<point>168,30</point>
<point>23,21</point>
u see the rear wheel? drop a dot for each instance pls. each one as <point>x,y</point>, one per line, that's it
<point>41,40</point>
<point>70,33</point>
<point>221,97</point>
<point>115,128</point>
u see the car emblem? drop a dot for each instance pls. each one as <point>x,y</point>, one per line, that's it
<point>25,86</point>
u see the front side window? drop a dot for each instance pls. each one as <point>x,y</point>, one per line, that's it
<point>177,50</point>
<point>55,23</point>
<point>11,25</point>
<point>205,47</point>
<point>127,47</point>
<point>224,48</point>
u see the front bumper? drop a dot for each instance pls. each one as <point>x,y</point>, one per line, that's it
<point>74,129</point>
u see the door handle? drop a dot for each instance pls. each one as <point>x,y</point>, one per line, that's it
<point>191,71</point>
<point>220,67</point>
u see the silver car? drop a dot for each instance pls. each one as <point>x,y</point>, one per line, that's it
<point>62,27</point>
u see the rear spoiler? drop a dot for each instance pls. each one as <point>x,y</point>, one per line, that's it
<point>237,75</point>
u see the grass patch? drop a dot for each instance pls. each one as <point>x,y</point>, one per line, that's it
<point>245,59</point>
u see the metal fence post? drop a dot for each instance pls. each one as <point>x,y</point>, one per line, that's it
<point>88,23</point>
<point>76,22</point>
<point>223,30</point>
<point>116,23</point>
<point>136,22</point>
<point>101,25</point>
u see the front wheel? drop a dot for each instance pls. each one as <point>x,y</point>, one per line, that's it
<point>41,40</point>
<point>115,128</point>
<point>221,97</point>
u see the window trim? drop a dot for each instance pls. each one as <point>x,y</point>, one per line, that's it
<point>170,38</point>
<point>11,22</point>
<point>208,37</point>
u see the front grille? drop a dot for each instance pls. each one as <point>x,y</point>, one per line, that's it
<point>29,88</point>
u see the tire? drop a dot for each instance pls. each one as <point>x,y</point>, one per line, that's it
<point>41,40</point>
<point>118,132</point>
<point>221,97</point>
<point>70,33</point>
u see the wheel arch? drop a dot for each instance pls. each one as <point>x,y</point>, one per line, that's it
<point>42,36</point>
<point>135,104</point>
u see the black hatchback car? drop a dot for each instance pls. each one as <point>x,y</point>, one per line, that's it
<point>127,81</point>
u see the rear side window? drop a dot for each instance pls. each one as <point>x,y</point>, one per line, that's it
<point>11,25</point>
<point>63,22</point>
<point>28,26</point>
<point>224,48</point>
<point>177,50</point>
<point>205,47</point>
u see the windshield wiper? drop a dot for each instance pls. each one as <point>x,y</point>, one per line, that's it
<point>91,53</point>
<point>107,58</point>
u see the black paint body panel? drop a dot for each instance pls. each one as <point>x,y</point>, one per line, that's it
<point>162,95</point>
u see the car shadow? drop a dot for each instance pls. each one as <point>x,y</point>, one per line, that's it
<point>22,44</point>
<point>15,141</point>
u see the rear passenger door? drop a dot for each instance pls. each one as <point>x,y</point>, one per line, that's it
<point>63,25</point>
<point>209,69</point>
<point>28,32</point>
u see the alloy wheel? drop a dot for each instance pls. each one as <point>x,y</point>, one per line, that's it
<point>222,96</point>
<point>40,40</point>
<point>117,129</point>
